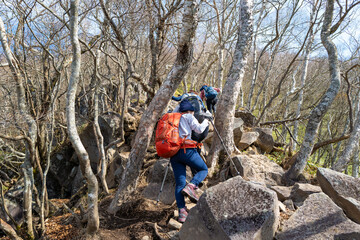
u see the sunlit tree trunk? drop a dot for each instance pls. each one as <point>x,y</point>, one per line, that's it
<point>102,165</point>
<point>304,73</point>
<point>32,129</point>
<point>92,211</point>
<point>157,105</point>
<point>350,147</point>
<point>226,107</point>
<point>319,111</point>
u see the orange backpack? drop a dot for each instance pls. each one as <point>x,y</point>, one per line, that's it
<point>167,138</point>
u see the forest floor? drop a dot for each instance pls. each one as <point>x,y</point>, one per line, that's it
<point>137,218</point>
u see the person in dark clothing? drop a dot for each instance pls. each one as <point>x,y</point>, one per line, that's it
<point>199,111</point>
<point>210,94</point>
<point>188,157</point>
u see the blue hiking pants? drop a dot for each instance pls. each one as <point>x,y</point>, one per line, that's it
<point>179,162</point>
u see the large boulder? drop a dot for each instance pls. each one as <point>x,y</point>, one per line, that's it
<point>116,167</point>
<point>247,117</point>
<point>257,168</point>
<point>157,174</point>
<point>247,138</point>
<point>250,211</point>
<point>238,129</point>
<point>130,122</point>
<point>301,191</point>
<point>64,163</point>
<point>283,193</point>
<point>265,140</point>
<point>343,189</point>
<point>318,218</point>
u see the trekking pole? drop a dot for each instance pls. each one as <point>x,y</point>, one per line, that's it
<point>227,151</point>
<point>162,184</point>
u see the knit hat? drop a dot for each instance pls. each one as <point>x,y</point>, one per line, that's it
<point>185,106</point>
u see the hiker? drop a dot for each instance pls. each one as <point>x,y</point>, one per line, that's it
<point>210,93</point>
<point>188,156</point>
<point>191,93</point>
<point>199,113</point>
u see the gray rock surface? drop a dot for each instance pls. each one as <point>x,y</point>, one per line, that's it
<point>301,191</point>
<point>257,168</point>
<point>248,118</point>
<point>343,189</point>
<point>283,192</point>
<point>319,218</point>
<point>157,174</point>
<point>238,129</point>
<point>246,140</point>
<point>250,211</point>
<point>116,168</point>
<point>265,140</point>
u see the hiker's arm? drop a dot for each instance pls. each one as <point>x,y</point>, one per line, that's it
<point>176,98</point>
<point>196,126</point>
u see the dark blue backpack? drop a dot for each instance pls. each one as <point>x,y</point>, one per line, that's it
<point>210,93</point>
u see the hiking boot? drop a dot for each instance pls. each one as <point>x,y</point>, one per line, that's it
<point>189,190</point>
<point>182,215</point>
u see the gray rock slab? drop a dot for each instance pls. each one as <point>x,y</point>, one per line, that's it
<point>283,193</point>
<point>319,218</point>
<point>300,191</point>
<point>248,118</point>
<point>265,140</point>
<point>157,174</point>
<point>343,189</point>
<point>234,209</point>
<point>156,177</point>
<point>257,168</point>
<point>246,140</point>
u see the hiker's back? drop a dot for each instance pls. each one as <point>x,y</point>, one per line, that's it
<point>210,93</point>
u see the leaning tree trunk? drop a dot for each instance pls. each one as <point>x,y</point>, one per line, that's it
<point>226,107</point>
<point>158,104</point>
<point>92,213</point>
<point>319,111</point>
<point>32,128</point>
<point>10,232</point>
<point>351,146</point>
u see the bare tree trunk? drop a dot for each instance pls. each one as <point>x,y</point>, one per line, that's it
<point>25,113</point>
<point>319,111</point>
<point>158,104</point>
<point>304,73</point>
<point>92,211</point>
<point>44,197</point>
<point>10,232</point>
<point>350,147</point>
<point>99,137</point>
<point>254,64</point>
<point>226,107</point>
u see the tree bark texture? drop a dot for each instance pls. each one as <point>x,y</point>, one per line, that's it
<point>25,113</point>
<point>319,111</point>
<point>350,147</point>
<point>93,215</point>
<point>8,230</point>
<point>102,166</point>
<point>304,71</point>
<point>158,104</point>
<point>226,107</point>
